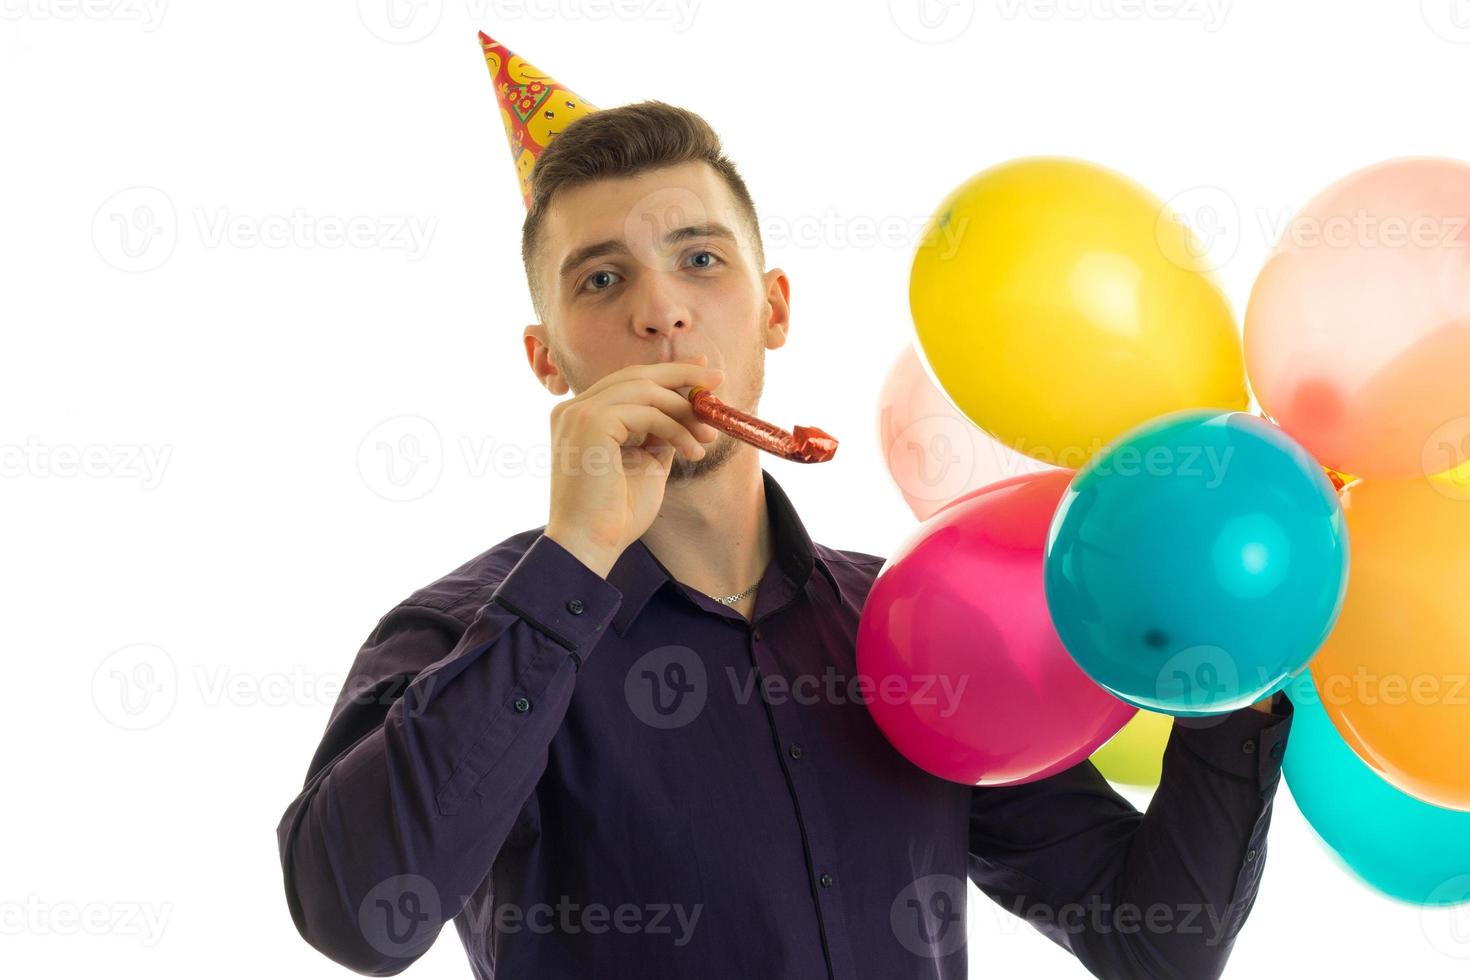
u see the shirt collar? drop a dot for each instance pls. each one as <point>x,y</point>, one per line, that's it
<point>637,574</point>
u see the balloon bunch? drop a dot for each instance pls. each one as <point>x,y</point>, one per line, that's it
<point>1110,536</point>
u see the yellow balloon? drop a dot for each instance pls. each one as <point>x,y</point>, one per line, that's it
<point>1135,756</point>
<point>1059,304</point>
<point>1394,674</point>
<point>1456,480</point>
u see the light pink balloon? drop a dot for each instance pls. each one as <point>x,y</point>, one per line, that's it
<point>934,453</point>
<point>968,678</point>
<point>1357,334</point>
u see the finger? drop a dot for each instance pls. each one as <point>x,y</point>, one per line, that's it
<point>644,420</point>
<point>643,391</point>
<point>669,374</point>
<point>656,457</point>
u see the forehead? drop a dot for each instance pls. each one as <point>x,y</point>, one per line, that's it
<point>638,210</point>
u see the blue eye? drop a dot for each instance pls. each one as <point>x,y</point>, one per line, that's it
<point>595,275</point>
<point>604,279</point>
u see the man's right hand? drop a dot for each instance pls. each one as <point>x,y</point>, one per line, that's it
<point>612,447</point>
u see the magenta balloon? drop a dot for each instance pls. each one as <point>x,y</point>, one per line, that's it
<point>967,676</point>
<point>1357,334</point>
<point>934,453</point>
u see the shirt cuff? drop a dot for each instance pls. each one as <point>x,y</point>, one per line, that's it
<point>1245,743</point>
<point>558,594</point>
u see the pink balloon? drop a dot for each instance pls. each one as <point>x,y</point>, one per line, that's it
<point>968,677</point>
<point>1357,334</point>
<point>934,453</point>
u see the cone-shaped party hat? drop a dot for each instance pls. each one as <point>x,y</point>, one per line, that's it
<point>533,106</point>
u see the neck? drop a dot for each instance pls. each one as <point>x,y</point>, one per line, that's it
<point>714,533</point>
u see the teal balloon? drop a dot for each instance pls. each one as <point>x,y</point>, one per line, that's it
<point>1406,848</point>
<point>1197,562</point>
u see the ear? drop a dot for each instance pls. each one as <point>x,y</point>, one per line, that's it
<point>538,355</point>
<point>778,301</point>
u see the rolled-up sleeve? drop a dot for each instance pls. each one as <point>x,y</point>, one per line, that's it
<point>432,750</point>
<point>1153,895</point>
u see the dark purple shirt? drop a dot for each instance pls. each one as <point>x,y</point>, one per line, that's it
<point>623,778</point>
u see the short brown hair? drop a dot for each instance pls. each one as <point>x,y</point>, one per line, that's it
<point>623,142</point>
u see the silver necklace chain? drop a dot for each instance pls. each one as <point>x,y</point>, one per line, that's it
<point>730,599</point>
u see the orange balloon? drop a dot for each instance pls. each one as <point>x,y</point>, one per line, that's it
<point>1394,674</point>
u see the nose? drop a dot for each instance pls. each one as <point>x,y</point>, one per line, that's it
<point>659,311</point>
<point>661,327</point>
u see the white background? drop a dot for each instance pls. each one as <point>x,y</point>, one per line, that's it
<point>230,389</point>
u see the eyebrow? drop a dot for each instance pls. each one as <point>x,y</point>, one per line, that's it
<point>614,246</point>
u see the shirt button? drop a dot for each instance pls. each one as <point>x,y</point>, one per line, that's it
<point>756,634</point>
<point>795,751</point>
<point>1278,750</point>
<point>523,704</point>
<point>826,880</point>
<point>1248,746</point>
<point>1250,855</point>
<point>575,607</point>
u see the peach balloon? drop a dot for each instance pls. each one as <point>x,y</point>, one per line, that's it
<point>934,453</point>
<point>1357,334</point>
<point>1394,674</point>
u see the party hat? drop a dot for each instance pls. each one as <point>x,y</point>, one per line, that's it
<point>533,106</point>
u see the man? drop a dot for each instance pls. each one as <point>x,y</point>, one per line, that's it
<point>572,745</point>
